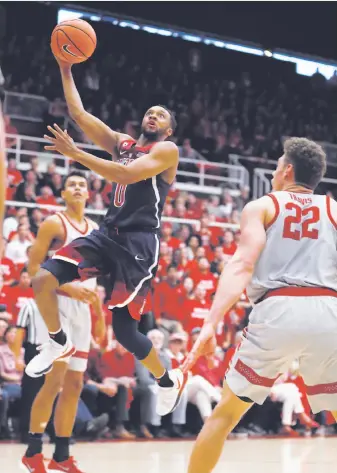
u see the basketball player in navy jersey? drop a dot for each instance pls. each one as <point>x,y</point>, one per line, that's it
<point>126,246</point>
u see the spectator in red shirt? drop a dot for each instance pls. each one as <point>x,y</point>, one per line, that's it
<point>14,176</point>
<point>203,277</point>
<point>167,310</point>
<point>46,197</point>
<point>184,265</point>
<point>195,310</point>
<point>117,367</point>
<point>187,290</point>
<point>18,295</point>
<point>183,234</point>
<point>165,260</point>
<point>167,237</point>
<point>7,269</point>
<point>229,246</point>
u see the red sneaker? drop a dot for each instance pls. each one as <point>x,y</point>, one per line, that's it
<point>33,464</point>
<point>68,466</point>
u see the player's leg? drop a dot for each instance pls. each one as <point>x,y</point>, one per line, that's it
<point>65,413</point>
<point>172,383</point>
<point>40,415</point>
<point>256,364</point>
<point>318,365</point>
<point>45,283</point>
<point>53,274</point>
<point>210,441</point>
<point>79,319</point>
<point>126,332</point>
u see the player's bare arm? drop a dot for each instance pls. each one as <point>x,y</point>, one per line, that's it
<point>97,131</point>
<point>50,231</point>
<point>237,273</point>
<point>164,156</point>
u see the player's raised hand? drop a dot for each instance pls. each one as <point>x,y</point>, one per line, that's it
<point>205,345</point>
<point>61,142</point>
<point>64,65</point>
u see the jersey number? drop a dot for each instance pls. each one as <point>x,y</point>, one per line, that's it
<point>297,218</point>
<point>119,199</point>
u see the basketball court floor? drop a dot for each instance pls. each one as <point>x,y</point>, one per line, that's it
<point>317,455</point>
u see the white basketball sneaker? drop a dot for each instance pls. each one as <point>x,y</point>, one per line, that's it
<point>49,353</point>
<point>169,398</point>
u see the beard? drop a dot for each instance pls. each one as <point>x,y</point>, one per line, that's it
<point>151,135</point>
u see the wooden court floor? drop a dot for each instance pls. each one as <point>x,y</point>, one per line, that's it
<point>312,455</point>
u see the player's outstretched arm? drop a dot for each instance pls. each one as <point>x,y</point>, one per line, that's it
<point>97,131</point>
<point>234,278</point>
<point>164,155</point>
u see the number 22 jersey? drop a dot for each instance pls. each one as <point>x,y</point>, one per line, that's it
<point>301,246</point>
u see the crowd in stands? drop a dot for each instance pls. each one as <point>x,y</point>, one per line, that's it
<point>226,103</point>
<point>116,386</point>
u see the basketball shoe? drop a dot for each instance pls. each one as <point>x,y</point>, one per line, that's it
<point>169,398</point>
<point>49,353</point>
<point>33,464</point>
<point>68,466</point>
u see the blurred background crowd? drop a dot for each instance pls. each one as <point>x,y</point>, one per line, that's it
<point>226,103</point>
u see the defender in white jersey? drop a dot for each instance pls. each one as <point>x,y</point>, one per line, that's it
<point>74,298</point>
<point>287,260</point>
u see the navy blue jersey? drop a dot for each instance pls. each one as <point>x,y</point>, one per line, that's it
<point>136,206</point>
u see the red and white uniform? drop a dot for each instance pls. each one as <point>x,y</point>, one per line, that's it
<point>75,315</point>
<point>294,288</point>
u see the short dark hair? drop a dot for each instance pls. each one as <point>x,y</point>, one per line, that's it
<point>172,115</point>
<point>72,174</point>
<point>308,159</point>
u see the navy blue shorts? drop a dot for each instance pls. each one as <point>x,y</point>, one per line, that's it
<point>129,258</point>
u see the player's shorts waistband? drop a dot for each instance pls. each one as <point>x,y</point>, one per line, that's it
<point>295,291</point>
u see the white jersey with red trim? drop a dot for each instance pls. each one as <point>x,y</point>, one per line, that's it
<point>71,233</point>
<point>301,247</point>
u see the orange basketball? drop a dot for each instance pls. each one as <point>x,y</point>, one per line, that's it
<point>73,41</point>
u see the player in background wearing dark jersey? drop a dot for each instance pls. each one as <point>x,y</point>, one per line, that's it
<point>126,246</point>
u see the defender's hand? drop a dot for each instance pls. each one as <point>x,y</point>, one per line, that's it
<point>80,293</point>
<point>205,345</point>
<point>62,142</point>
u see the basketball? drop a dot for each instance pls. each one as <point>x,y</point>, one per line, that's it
<point>73,41</point>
